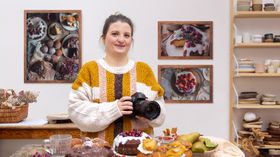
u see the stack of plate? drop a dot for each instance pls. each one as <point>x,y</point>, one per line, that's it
<point>243,5</point>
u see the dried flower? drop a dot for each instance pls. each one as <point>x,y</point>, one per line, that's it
<point>27,96</point>
<point>9,98</point>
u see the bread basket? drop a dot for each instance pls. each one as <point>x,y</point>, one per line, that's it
<point>14,106</point>
<point>13,115</point>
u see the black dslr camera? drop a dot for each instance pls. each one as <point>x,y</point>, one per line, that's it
<point>143,107</point>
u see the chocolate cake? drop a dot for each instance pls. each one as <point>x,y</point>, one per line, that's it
<point>126,143</point>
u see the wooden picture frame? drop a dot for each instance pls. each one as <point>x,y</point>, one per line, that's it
<point>186,83</point>
<point>185,40</point>
<point>52,45</point>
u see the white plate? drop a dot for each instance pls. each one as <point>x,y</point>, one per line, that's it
<point>61,116</point>
<point>67,27</point>
<point>34,22</point>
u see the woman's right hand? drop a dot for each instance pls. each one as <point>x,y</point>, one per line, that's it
<point>125,105</point>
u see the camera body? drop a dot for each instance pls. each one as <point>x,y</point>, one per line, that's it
<point>144,108</point>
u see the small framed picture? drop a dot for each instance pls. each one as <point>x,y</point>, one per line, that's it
<point>185,40</point>
<point>52,45</point>
<point>186,83</point>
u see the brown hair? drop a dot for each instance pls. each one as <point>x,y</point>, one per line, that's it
<point>114,18</point>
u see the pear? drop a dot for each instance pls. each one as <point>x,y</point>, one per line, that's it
<point>191,137</point>
<point>208,143</point>
<point>199,147</point>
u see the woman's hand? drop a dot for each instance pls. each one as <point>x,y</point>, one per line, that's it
<point>125,105</point>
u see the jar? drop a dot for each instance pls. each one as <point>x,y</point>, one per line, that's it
<point>270,69</point>
<point>257,1</point>
<point>246,37</point>
<point>257,7</point>
<point>278,70</point>
<point>268,37</point>
<point>269,7</point>
<point>275,64</point>
<point>257,38</point>
<point>259,67</point>
<point>276,38</point>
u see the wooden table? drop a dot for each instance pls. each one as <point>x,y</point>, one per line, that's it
<point>38,131</point>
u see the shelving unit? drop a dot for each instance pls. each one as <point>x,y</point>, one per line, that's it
<point>260,82</point>
<point>257,75</point>
<point>256,106</point>
<point>257,14</point>
<point>257,45</point>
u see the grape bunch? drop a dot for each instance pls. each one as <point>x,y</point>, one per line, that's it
<point>192,36</point>
<point>34,29</point>
<point>134,133</point>
<point>67,67</point>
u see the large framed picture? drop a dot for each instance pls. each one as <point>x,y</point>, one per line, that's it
<point>52,45</point>
<point>185,40</point>
<point>186,83</point>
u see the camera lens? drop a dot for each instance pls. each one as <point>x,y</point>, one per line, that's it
<point>152,110</point>
<point>143,107</point>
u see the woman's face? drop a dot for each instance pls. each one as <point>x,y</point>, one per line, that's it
<point>118,38</point>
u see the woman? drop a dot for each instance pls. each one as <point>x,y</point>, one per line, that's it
<point>100,96</point>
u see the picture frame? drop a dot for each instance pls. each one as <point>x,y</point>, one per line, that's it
<point>52,45</point>
<point>185,40</point>
<point>186,83</point>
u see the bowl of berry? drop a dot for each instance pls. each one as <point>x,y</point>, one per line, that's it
<point>36,28</point>
<point>185,82</point>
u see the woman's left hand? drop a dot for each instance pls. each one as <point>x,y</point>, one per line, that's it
<point>143,119</point>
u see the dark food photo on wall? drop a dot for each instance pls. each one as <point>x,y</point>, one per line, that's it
<point>53,48</point>
<point>182,84</point>
<point>185,40</point>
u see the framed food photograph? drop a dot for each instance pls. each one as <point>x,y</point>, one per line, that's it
<point>186,83</point>
<point>52,45</point>
<point>185,40</point>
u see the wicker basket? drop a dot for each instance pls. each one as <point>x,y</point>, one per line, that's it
<point>8,115</point>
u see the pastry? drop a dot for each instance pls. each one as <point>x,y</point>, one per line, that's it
<point>178,42</point>
<point>149,144</point>
<point>55,30</point>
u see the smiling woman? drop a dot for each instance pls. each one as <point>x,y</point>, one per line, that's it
<point>100,99</point>
<point>117,42</point>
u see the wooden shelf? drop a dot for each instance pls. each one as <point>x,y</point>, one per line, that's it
<point>256,106</point>
<point>257,75</point>
<point>260,147</point>
<point>268,147</point>
<point>258,45</point>
<point>257,14</point>
<point>241,21</point>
